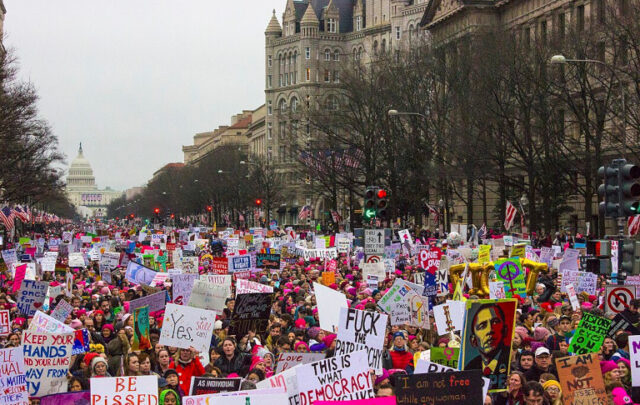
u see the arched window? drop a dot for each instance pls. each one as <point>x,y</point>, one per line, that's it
<point>375,47</point>
<point>410,31</point>
<point>336,55</point>
<point>327,55</point>
<point>294,104</point>
<point>283,106</point>
<point>332,103</point>
<point>383,47</point>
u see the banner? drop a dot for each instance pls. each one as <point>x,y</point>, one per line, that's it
<point>208,296</point>
<point>141,329</point>
<point>208,385</point>
<point>289,360</point>
<point>31,296</point>
<point>248,287</point>
<point>250,313</point>
<point>187,327</point>
<point>486,339</point>
<point>590,334</point>
<point>141,390</point>
<point>581,379</point>
<point>329,304</point>
<point>155,302</point>
<point>362,330</point>
<point>47,358</point>
<point>13,380</point>
<point>449,388</point>
<point>335,379</point>
<point>138,274</point>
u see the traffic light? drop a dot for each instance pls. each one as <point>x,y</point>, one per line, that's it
<point>370,196</point>
<point>156,211</point>
<point>629,256</point>
<point>131,216</point>
<point>209,208</point>
<point>173,216</point>
<point>629,189</point>
<point>609,192</point>
<point>381,205</point>
<point>258,202</point>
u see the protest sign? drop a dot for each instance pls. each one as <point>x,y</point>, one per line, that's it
<point>189,264</point>
<point>581,379</point>
<point>335,379</point>
<point>43,323</point>
<point>328,278</point>
<point>80,341</point>
<point>141,329</point>
<point>75,398</point>
<point>573,297</point>
<point>5,322</point>
<point>373,269</point>
<point>220,265</point>
<point>590,334</point>
<point>19,275</point>
<point>418,306</point>
<point>288,360</point>
<point>634,352</point>
<point>362,330</point>
<point>76,259</point>
<point>13,380</point>
<point>181,285</point>
<point>481,350</point>
<point>120,390</point>
<point>449,317</point>
<point>429,259</point>
<point>110,260</point>
<point>329,304</point>
<point>139,274</point>
<point>496,290</point>
<point>208,296</point>
<point>446,356</point>
<point>450,388</point>
<point>47,358</point>
<point>222,280</point>
<point>268,261</point>
<point>618,323</point>
<point>62,311</point>
<point>209,385</point>
<point>442,277</point>
<point>286,380</point>
<point>248,287</point>
<point>250,313</point>
<point>9,256</point>
<point>48,264</point>
<point>512,274</point>
<point>270,396</point>
<point>581,280</point>
<point>187,327</point>
<point>31,296</point>
<point>239,263</point>
<point>155,302</point>
<point>424,367</point>
<point>394,296</point>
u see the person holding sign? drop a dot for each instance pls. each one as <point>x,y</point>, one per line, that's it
<point>188,365</point>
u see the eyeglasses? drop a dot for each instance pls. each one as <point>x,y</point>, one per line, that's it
<point>553,389</point>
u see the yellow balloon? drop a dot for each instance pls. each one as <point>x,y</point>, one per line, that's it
<point>534,272</point>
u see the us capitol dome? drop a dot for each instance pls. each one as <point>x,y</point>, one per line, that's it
<point>83,191</point>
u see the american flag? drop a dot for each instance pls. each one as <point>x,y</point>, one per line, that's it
<point>336,216</point>
<point>435,215</point>
<point>21,213</point>
<point>240,217</point>
<point>482,233</point>
<point>7,216</point>
<point>305,212</point>
<point>633,224</point>
<point>509,215</point>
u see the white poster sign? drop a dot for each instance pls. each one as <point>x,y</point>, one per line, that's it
<point>329,304</point>
<point>248,287</point>
<point>47,358</point>
<point>208,296</point>
<point>449,317</point>
<point>140,390</point>
<point>362,330</point>
<point>187,327</point>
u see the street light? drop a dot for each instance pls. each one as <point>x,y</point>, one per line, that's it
<point>562,60</point>
<point>393,113</point>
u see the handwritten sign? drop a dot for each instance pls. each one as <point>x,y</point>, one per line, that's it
<point>13,380</point>
<point>187,327</point>
<point>62,311</point>
<point>248,287</point>
<point>47,358</point>
<point>362,330</point>
<point>208,296</point>
<point>288,360</point>
<point>451,388</point>
<point>31,296</point>
<point>590,334</point>
<point>251,313</point>
<point>181,285</point>
<point>141,390</point>
<point>581,379</point>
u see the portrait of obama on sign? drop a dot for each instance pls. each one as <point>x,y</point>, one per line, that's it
<point>486,339</point>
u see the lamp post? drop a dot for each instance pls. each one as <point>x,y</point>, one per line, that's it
<point>524,202</point>
<point>562,60</point>
<point>442,223</point>
<point>394,113</point>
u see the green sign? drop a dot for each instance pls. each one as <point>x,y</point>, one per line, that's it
<point>446,356</point>
<point>510,272</point>
<point>590,334</point>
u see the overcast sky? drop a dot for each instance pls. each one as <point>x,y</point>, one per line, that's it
<point>134,80</point>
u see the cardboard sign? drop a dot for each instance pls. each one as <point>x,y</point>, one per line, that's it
<point>581,379</point>
<point>449,317</point>
<point>155,302</point>
<point>208,296</point>
<point>47,358</point>
<point>31,296</point>
<point>141,329</point>
<point>141,389</point>
<point>590,334</point>
<point>329,304</point>
<point>289,360</point>
<point>250,313</point>
<point>362,330</point>
<point>248,287</point>
<point>187,327</point>
<point>451,388</point>
<point>5,322</point>
<point>512,274</point>
<point>208,385</point>
<point>62,311</point>
<point>181,285</point>
<point>581,280</point>
<point>13,380</point>
<point>335,379</point>
<point>489,346</point>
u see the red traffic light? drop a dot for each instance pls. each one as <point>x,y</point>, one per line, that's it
<point>258,201</point>
<point>131,216</point>
<point>156,210</point>
<point>209,208</point>
<point>173,216</point>
<point>382,193</point>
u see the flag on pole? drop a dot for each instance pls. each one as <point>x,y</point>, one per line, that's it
<point>305,212</point>
<point>633,225</point>
<point>7,216</point>
<point>21,214</point>
<point>509,215</point>
<point>435,215</point>
<point>521,216</point>
<point>336,217</point>
<point>482,232</point>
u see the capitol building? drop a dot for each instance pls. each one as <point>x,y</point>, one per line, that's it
<point>83,192</point>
